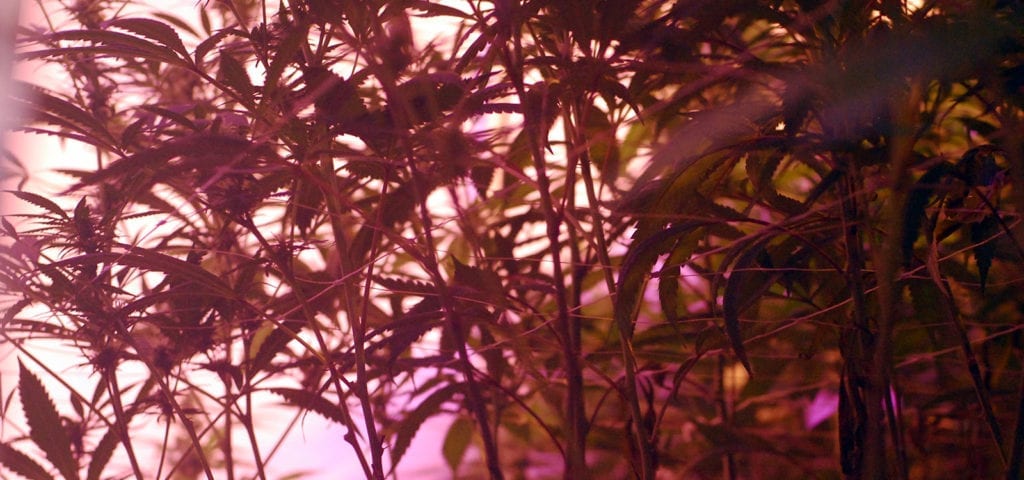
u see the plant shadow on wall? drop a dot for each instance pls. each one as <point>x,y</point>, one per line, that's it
<point>642,238</point>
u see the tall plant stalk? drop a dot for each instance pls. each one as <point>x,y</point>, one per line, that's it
<point>578,221</point>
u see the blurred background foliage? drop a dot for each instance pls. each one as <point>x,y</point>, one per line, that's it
<point>654,239</point>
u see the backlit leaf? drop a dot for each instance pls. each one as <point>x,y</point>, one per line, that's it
<point>44,423</point>
<point>153,30</point>
<point>13,310</point>
<point>205,149</point>
<point>602,145</point>
<point>22,464</point>
<point>123,45</point>
<point>62,113</point>
<point>268,341</point>
<point>456,441</point>
<point>745,285</point>
<point>149,260</point>
<point>282,58</point>
<point>409,327</point>
<point>233,74</point>
<point>101,453</point>
<point>486,284</point>
<point>978,166</point>
<point>40,201</point>
<point>668,290</point>
<point>177,23</point>
<point>668,279</point>
<point>170,115</point>
<point>412,421</point>
<point>692,178</point>
<point>313,402</point>
<point>209,44</point>
<point>637,265</point>
<point>306,202</point>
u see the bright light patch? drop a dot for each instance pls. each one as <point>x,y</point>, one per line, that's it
<point>824,405</point>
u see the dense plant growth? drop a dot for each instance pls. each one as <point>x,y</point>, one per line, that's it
<point>690,239</point>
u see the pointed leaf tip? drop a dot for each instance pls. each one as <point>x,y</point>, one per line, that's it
<point>44,423</point>
<point>22,464</point>
<point>985,248</point>
<point>457,441</point>
<point>154,30</point>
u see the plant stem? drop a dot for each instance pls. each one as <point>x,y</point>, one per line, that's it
<point>477,404</point>
<point>246,419</point>
<point>376,468</point>
<point>888,257</point>
<point>642,438</point>
<point>122,420</point>
<point>866,459</point>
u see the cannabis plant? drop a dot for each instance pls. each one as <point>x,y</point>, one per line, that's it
<point>626,239</point>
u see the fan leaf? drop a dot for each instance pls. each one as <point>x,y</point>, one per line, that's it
<point>153,30</point>
<point>985,247</point>
<point>62,113</point>
<point>233,74</point>
<point>637,265</point>
<point>155,262</point>
<point>122,45</point>
<point>917,201</point>
<point>102,453</point>
<point>22,464</point>
<point>456,442</point>
<point>41,202</point>
<point>412,421</point>
<point>312,402</point>
<point>44,423</point>
<point>747,282</point>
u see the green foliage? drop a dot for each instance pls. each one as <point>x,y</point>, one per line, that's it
<point>456,441</point>
<point>314,206</point>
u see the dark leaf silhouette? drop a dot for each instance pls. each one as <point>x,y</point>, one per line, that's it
<point>153,30</point>
<point>920,195</point>
<point>44,423</point>
<point>102,453</point>
<point>566,230</point>
<point>985,248</point>
<point>428,407</point>
<point>312,402</point>
<point>22,464</point>
<point>456,441</point>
